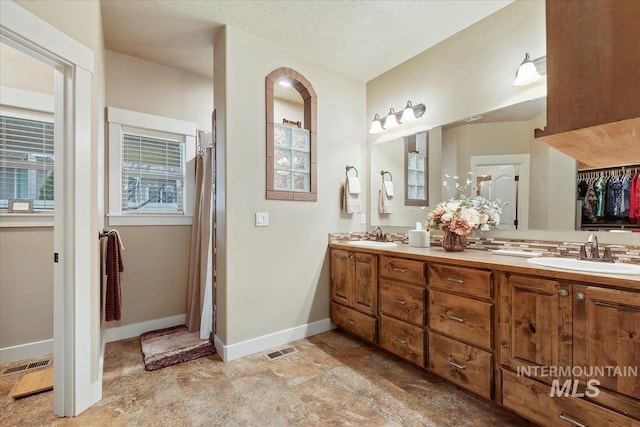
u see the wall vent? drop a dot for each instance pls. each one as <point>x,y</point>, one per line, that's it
<point>27,367</point>
<point>279,353</point>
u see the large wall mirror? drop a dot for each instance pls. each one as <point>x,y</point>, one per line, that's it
<point>291,105</point>
<point>496,151</point>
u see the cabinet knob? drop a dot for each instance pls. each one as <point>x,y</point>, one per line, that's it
<point>564,292</point>
<point>579,296</point>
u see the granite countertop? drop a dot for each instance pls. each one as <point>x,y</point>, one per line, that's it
<point>487,260</point>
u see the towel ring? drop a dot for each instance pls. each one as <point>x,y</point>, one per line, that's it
<point>383,173</point>
<point>348,168</point>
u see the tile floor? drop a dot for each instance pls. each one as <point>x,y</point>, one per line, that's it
<point>332,380</point>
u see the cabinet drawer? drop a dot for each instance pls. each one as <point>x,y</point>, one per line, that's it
<point>352,321</point>
<point>469,281</point>
<point>402,339</point>
<point>461,318</point>
<point>532,400</point>
<point>407,270</point>
<point>404,302</point>
<point>461,364</point>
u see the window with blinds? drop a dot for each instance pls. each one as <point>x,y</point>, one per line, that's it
<point>26,161</point>
<point>153,172</point>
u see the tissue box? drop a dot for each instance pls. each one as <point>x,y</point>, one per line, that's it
<point>419,238</point>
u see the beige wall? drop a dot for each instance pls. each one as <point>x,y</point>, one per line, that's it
<point>22,71</point>
<point>267,283</point>
<point>156,258</point>
<point>26,285</point>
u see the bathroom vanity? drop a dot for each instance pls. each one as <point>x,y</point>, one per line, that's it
<point>497,325</point>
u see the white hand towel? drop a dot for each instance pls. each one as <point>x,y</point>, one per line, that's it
<point>353,182</point>
<point>350,201</point>
<point>385,201</point>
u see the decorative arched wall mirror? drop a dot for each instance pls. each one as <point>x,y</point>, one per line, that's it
<point>291,105</point>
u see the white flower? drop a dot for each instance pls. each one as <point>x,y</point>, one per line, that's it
<point>495,217</point>
<point>471,216</point>
<point>485,227</point>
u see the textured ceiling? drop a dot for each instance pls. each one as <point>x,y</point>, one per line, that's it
<point>362,39</point>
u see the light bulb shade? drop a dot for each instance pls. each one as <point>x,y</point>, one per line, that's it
<point>527,73</point>
<point>376,125</point>
<point>408,115</point>
<point>390,121</point>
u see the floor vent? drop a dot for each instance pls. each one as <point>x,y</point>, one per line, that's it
<point>279,353</point>
<point>27,367</point>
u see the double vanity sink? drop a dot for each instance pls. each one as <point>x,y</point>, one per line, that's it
<point>552,262</point>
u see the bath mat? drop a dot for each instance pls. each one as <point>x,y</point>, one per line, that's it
<point>169,346</point>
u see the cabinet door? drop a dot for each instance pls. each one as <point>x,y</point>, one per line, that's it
<point>538,312</point>
<point>341,276</point>
<point>365,295</point>
<point>607,336</point>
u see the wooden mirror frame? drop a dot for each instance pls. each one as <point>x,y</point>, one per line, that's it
<point>304,88</point>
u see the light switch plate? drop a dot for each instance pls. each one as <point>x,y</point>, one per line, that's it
<point>363,218</point>
<point>262,219</point>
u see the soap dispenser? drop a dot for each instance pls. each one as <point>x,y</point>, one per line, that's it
<point>419,238</point>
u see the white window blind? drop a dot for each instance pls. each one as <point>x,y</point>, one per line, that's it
<point>153,174</point>
<point>26,161</point>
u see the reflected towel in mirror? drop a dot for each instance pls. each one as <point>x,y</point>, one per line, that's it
<point>385,198</point>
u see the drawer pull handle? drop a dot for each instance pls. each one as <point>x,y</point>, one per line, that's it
<point>618,307</point>
<point>396,339</point>
<point>564,292</point>
<point>579,296</point>
<point>563,417</point>
<point>457,319</point>
<point>399,270</point>
<point>399,302</point>
<point>458,281</point>
<point>455,365</point>
<point>351,322</point>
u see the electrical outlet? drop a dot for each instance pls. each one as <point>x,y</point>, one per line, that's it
<point>363,218</point>
<point>262,219</point>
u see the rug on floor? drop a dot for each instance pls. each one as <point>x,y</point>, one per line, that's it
<point>170,346</point>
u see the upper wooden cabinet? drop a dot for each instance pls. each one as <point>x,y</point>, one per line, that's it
<point>593,70</point>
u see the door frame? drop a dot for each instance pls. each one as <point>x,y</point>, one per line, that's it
<point>73,237</point>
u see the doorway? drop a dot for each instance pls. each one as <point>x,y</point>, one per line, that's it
<point>505,178</point>
<point>75,384</point>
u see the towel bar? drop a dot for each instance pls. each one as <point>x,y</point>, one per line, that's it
<point>383,173</point>
<point>348,168</point>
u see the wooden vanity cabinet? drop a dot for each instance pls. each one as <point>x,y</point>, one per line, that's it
<point>461,326</point>
<point>354,292</point>
<point>402,308</point>
<point>554,324</point>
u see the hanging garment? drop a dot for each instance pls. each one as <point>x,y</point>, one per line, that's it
<point>583,187</point>
<point>634,196</point>
<point>600,188</point>
<point>591,198</point>
<point>613,197</point>
<point>626,192</point>
<point>114,266</point>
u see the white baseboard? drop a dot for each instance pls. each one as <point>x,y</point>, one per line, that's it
<point>136,329</point>
<point>26,351</point>
<point>256,345</point>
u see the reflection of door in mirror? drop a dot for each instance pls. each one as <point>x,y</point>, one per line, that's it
<point>416,169</point>
<point>504,178</point>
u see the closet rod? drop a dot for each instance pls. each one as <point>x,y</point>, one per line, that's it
<point>628,166</point>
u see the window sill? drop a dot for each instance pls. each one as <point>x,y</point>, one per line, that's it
<point>15,220</point>
<point>150,219</point>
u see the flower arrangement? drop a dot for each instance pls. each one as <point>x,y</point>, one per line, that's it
<point>465,214</point>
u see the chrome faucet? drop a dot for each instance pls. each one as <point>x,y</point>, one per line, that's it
<point>592,241</point>
<point>380,237</point>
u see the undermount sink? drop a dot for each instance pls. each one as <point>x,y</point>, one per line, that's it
<point>371,243</point>
<point>586,266</point>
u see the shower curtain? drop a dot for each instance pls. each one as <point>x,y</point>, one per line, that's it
<point>200,278</point>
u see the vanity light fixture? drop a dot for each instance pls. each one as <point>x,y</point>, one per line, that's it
<point>530,71</point>
<point>394,119</point>
<point>376,125</point>
<point>391,121</point>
